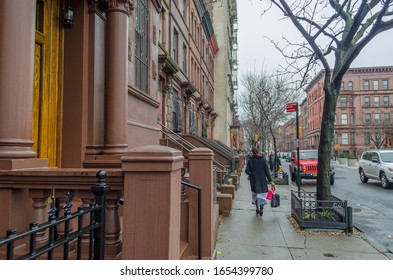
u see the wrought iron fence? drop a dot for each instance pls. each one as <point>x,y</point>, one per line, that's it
<point>94,230</point>
<point>322,214</point>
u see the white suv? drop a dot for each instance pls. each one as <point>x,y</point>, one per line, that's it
<point>377,165</point>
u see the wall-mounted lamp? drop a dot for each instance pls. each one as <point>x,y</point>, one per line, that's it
<point>68,17</point>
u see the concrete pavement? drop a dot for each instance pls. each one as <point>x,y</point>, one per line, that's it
<point>245,236</point>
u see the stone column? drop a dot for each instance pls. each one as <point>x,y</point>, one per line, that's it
<point>118,13</point>
<point>201,174</point>
<point>151,222</point>
<point>17,32</point>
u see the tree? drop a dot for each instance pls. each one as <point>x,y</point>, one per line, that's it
<point>331,28</point>
<point>377,132</point>
<point>264,101</point>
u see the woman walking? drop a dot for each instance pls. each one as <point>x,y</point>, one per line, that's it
<point>259,174</point>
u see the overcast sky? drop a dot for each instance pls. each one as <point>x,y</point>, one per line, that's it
<point>256,53</point>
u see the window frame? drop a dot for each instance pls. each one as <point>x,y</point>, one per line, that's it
<point>346,119</point>
<point>377,101</point>
<point>342,138</point>
<point>142,45</point>
<point>350,86</point>
<point>366,85</point>
<point>367,101</point>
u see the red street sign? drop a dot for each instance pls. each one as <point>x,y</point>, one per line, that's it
<point>291,107</point>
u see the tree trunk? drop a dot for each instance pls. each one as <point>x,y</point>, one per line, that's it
<point>325,143</point>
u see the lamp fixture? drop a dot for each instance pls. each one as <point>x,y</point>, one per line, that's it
<point>68,15</point>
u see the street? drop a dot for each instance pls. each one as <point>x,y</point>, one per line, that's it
<point>371,204</point>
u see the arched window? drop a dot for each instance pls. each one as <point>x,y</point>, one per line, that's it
<point>350,86</point>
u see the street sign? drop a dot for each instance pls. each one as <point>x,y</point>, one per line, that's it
<point>291,107</point>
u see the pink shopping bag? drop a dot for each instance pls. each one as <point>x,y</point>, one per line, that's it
<point>270,193</point>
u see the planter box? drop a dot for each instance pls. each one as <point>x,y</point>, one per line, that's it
<point>281,179</point>
<point>320,214</point>
<point>342,161</point>
<point>352,162</point>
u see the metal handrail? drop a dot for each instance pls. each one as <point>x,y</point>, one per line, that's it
<point>199,189</point>
<point>186,142</point>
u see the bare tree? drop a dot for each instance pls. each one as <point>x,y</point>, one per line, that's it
<point>264,101</point>
<point>377,132</point>
<point>336,30</point>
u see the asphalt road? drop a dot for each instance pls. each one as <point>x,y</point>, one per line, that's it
<point>372,205</point>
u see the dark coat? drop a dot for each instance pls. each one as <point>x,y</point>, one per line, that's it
<point>259,174</point>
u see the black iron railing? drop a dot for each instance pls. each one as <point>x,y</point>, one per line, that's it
<point>95,230</point>
<point>322,214</point>
<point>199,189</point>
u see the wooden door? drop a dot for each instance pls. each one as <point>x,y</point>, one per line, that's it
<point>48,53</point>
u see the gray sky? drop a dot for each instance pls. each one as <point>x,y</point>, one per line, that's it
<point>256,53</point>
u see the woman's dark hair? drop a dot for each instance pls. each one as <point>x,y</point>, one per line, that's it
<point>255,151</point>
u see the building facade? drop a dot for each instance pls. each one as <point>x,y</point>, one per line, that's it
<point>187,47</point>
<point>225,72</point>
<point>363,110</point>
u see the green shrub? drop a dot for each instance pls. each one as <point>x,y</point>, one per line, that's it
<point>309,215</point>
<point>350,156</point>
<point>342,156</point>
<point>326,214</point>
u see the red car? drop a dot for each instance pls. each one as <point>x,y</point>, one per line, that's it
<point>308,165</point>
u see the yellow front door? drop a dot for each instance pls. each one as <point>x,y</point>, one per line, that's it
<point>48,55</point>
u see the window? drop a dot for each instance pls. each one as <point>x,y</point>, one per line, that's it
<point>344,139</point>
<point>191,124</point>
<point>343,102</point>
<point>352,118</point>
<point>366,85</point>
<point>350,86</point>
<point>176,112</point>
<point>374,156</point>
<point>386,101</point>
<point>344,119</point>
<point>385,85</point>
<point>368,118</point>
<point>367,101</point>
<point>377,119</point>
<point>386,118</point>
<point>353,136</point>
<point>185,58</point>
<point>175,53</point>
<point>375,84</point>
<point>367,139</point>
<point>342,86</point>
<point>39,23</point>
<point>141,45</point>
<point>376,101</point>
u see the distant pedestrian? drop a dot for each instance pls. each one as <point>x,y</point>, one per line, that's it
<point>259,174</point>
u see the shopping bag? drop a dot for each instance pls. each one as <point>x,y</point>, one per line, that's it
<point>275,202</point>
<point>270,194</point>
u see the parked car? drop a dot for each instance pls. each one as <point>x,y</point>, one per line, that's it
<point>308,165</point>
<point>377,165</point>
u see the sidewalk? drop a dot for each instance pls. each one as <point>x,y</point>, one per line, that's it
<point>245,236</point>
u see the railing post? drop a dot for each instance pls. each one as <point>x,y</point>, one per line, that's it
<point>201,174</point>
<point>99,191</point>
<point>152,203</point>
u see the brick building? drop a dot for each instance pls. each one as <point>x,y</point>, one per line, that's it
<point>363,112</point>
